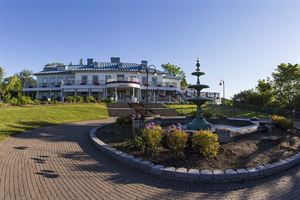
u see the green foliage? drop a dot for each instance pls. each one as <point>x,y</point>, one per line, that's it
<point>1,74</point>
<point>152,135</point>
<point>70,99</point>
<point>54,64</point>
<point>79,99</point>
<point>177,72</point>
<point>286,84</point>
<point>175,140</point>
<point>282,122</point>
<point>91,99</point>
<point>124,120</point>
<point>11,88</point>
<point>205,143</point>
<point>208,114</point>
<point>24,100</point>
<point>226,102</point>
<point>26,78</point>
<point>138,143</point>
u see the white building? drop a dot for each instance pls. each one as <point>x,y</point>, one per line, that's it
<point>124,82</point>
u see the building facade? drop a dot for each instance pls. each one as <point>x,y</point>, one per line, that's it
<point>116,80</point>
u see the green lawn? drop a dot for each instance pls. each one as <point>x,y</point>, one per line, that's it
<point>18,119</point>
<point>187,109</point>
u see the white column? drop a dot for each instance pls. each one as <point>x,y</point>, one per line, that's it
<point>75,93</point>
<point>154,97</point>
<point>133,93</point>
<point>116,95</point>
<point>89,92</point>
<point>37,95</point>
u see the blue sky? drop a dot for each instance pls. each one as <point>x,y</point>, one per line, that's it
<point>238,41</point>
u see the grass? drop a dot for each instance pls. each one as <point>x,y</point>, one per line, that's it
<point>219,110</point>
<point>19,119</point>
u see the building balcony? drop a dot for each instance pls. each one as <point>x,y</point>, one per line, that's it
<point>125,80</point>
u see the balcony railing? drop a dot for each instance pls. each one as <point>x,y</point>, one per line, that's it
<point>125,80</point>
<point>161,84</point>
<point>104,82</point>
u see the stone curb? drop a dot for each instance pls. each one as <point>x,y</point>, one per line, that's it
<point>194,175</point>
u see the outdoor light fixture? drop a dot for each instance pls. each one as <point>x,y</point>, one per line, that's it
<point>147,70</point>
<point>222,83</point>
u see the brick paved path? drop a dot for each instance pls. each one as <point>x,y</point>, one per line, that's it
<point>59,162</point>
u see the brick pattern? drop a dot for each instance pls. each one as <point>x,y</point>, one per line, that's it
<point>59,162</point>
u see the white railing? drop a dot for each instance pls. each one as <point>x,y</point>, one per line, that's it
<point>124,80</point>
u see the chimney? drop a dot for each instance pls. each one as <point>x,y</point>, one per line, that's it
<point>90,61</point>
<point>115,59</point>
<point>144,62</point>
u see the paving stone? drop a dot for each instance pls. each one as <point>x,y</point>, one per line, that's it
<point>66,165</point>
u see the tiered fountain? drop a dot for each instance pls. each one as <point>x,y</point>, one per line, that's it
<point>199,123</point>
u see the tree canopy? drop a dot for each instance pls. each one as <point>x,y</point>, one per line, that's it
<point>282,91</point>
<point>176,71</point>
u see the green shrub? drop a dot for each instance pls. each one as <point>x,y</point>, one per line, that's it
<point>69,99</point>
<point>79,99</point>
<point>91,99</point>
<point>152,135</point>
<point>14,102</point>
<point>205,143</point>
<point>24,100</point>
<point>138,143</point>
<point>282,122</point>
<point>208,114</point>
<point>175,140</point>
<point>124,120</point>
<point>36,102</point>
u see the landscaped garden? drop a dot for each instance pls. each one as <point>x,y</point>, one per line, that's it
<point>17,119</point>
<point>172,146</point>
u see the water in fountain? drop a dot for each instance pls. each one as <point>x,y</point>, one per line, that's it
<point>199,123</point>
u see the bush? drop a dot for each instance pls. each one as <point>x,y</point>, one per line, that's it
<point>175,140</point>
<point>36,102</point>
<point>79,99</point>
<point>208,114</point>
<point>205,143</point>
<point>14,101</point>
<point>91,99</point>
<point>24,100</point>
<point>69,99</point>
<point>138,143</point>
<point>282,122</point>
<point>124,120</point>
<point>152,135</point>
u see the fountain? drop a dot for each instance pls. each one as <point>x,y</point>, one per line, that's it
<point>199,123</point>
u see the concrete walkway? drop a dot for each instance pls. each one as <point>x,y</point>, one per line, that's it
<point>59,162</point>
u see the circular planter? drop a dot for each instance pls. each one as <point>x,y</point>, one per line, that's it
<point>195,175</point>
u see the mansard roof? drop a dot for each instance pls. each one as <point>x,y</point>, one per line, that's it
<point>100,66</point>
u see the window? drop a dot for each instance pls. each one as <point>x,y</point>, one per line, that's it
<point>52,81</point>
<point>132,78</point>
<point>84,79</point>
<point>144,80</point>
<point>107,77</point>
<point>95,80</point>
<point>154,81</point>
<point>60,81</point>
<point>44,82</point>
<point>120,77</point>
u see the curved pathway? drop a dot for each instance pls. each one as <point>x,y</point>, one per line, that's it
<point>59,162</point>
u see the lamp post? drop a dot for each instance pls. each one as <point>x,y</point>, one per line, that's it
<point>147,70</point>
<point>222,83</point>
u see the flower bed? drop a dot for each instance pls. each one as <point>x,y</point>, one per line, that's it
<point>244,152</point>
